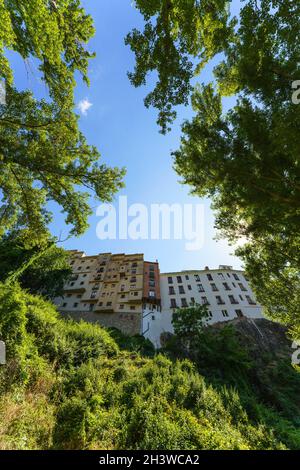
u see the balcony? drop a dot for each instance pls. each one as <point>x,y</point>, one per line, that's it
<point>104,308</point>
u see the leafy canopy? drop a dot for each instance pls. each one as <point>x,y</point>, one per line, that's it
<point>179,38</point>
<point>42,270</point>
<point>43,155</point>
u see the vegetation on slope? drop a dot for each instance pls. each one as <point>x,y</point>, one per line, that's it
<point>71,386</point>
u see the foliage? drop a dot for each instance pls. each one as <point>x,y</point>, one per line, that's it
<point>44,156</point>
<point>177,34</point>
<point>272,263</point>
<point>189,322</point>
<point>207,348</point>
<point>82,391</point>
<point>47,272</point>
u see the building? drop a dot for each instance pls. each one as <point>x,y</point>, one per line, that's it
<point>129,293</point>
<point>225,291</point>
<point>112,289</point>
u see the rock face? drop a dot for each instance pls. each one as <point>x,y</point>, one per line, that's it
<point>261,337</point>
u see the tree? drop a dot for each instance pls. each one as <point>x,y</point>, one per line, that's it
<point>179,38</point>
<point>45,275</point>
<point>189,322</point>
<point>43,155</point>
<point>247,160</point>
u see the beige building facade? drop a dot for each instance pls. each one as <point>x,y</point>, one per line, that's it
<point>106,288</point>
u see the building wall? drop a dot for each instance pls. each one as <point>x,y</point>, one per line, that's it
<point>128,323</point>
<point>199,287</point>
<point>106,288</point>
<point>151,286</point>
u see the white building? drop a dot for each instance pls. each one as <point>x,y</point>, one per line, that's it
<point>225,291</point>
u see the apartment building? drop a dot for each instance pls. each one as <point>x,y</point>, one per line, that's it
<point>128,293</point>
<point>105,288</point>
<point>225,291</point>
<point>112,289</point>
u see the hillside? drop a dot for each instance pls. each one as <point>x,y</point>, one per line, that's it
<point>77,386</point>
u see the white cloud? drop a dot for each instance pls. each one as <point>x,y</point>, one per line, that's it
<point>84,106</point>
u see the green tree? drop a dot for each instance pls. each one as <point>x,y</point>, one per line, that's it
<point>189,322</point>
<point>179,39</point>
<point>245,160</point>
<point>43,155</point>
<point>46,274</point>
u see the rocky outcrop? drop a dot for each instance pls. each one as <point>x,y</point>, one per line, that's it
<point>261,336</point>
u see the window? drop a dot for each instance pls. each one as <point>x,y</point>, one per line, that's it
<point>69,295</point>
<point>204,301</point>
<point>189,287</point>
<point>225,313</point>
<point>233,284</point>
<point>228,274</point>
<point>91,307</point>
<point>232,299</point>
<point>123,296</point>
<point>250,301</point>
<point>200,288</point>
<point>192,300</point>
<point>82,282</point>
<point>173,303</point>
<point>136,294</point>
<point>184,303</point>
<point>64,305</point>
<point>170,280</point>
<point>221,275</point>
<point>209,277</point>
<point>241,297</point>
<point>181,290</point>
<point>132,307</point>
<point>121,307</point>
<point>72,283</point>
<point>214,287</point>
<point>239,313</point>
<point>75,305</point>
<point>109,304</point>
<point>219,299</point>
<point>236,277</point>
<point>179,279</point>
<point>151,293</point>
<point>100,304</point>
<point>226,286</point>
<point>242,287</point>
<point>209,314</point>
<point>186,278</point>
<point>152,283</point>
<point>171,290</point>
<point>197,278</point>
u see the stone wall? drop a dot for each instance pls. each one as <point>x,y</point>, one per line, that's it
<point>129,323</point>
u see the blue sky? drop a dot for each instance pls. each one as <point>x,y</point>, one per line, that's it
<point>126,134</point>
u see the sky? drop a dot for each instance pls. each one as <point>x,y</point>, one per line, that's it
<point>114,119</point>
